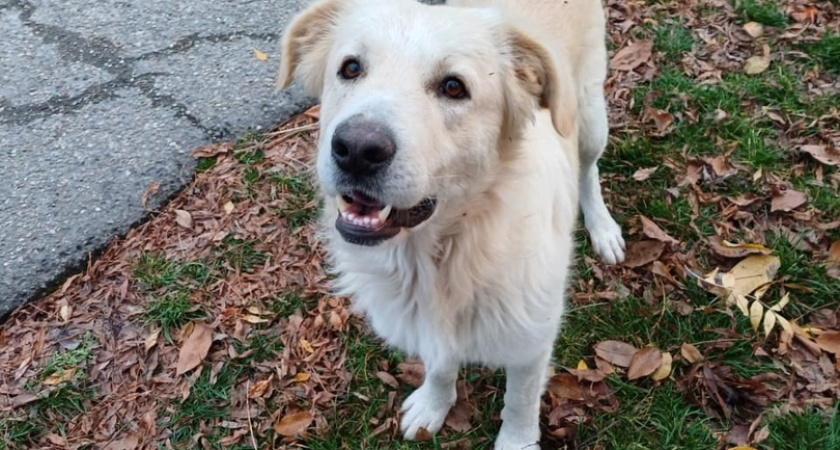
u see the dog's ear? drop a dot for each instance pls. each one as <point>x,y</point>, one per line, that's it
<point>544,79</point>
<point>306,46</point>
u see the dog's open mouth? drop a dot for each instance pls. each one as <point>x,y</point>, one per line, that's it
<point>366,221</point>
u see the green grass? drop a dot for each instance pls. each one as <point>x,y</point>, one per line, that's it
<point>240,254</point>
<point>299,193</point>
<point>826,52</point>
<point>812,429</point>
<point>764,12</point>
<point>208,400</point>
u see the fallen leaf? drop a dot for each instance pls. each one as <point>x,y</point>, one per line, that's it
<point>195,348</point>
<point>616,352</point>
<point>423,435</point>
<point>782,303</point>
<point>788,200</point>
<point>260,55</point>
<point>581,365</point>
<point>151,340</point>
<point>411,373</point>
<point>741,447</point>
<point>183,218</point>
<point>754,29</point>
<point>830,342</point>
<point>66,311</point>
<point>150,191</point>
<point>564,385</point>
<point>642,253</point>
<point>228,207</point>
<point>759,63</point>
<point>293,424</point>
<point>388,379</point>
<point>769,322</point>
<point>756,312</point>
<point>127,443</point>
<point>60,377</point>
<point>664,370</point>
<point>807,14</point>
<point>306,346</point>
<point>834,254</point>
<point>644,174</point>
<point>258,389</point>
<point>652,230</point>
<point>827,155</point>
<point>743,304</point>
<point>644,363</point>
<point>661,118</point>
<point>301,377</point>
<point>250,318</point>
<point>458,418</point>
<point>632,56</point>
<point>728,249</point>
<point>753,272</point>
<point>690,353</point>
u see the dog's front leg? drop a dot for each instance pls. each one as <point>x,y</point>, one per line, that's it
<point>521,413</point>
<point>428,406</point>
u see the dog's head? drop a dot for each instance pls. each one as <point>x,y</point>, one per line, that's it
<point>417,102</point>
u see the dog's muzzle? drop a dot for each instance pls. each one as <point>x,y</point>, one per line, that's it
<point>363,220</point>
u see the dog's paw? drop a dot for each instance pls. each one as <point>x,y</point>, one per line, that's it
<point>425,408</point>
<point>607,241</point>
<point>520,439</point>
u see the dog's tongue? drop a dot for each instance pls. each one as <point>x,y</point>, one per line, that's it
<point>359,198</point>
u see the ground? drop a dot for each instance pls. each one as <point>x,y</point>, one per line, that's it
<point>212,326</point>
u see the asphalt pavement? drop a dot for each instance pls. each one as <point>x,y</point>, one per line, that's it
<point>101,98</point>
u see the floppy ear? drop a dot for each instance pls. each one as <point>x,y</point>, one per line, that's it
<point>306,45</point>
<point>544,79</point>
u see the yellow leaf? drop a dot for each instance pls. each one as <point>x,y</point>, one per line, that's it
<point>307,347</point>
<point>228,207</point>
<point>65,312</point>
<point>769,322</point>
<point>259,388</point>
<point>301,377</point>
<point>778,306</point>
<point>260,55</point>
<point>757,175</point>
<point>581,365</point>
<point>756,311</point>
<point>60,377</point>
<point>664,370</point>
<point>250,318</point>
<point>743,304</point>
<point>761,291</point>
<point>754,272</point>
<point>754,29</point>
<point>757,64</point>
<point>786,326</point>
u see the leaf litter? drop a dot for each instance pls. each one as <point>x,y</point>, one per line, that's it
<point>138,373</point>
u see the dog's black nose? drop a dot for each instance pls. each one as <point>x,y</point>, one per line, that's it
<point>361,147</point>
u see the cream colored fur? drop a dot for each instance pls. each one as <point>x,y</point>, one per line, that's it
<point>482,280</point>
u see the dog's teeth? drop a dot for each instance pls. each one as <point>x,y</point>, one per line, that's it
<point>383,213</point>
<point>342,204</point>
<point>367,220</point>
<point>375,222</point>
<point>351,217</point>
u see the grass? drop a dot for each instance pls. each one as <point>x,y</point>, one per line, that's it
<point>763,12</point>
<point>810,429</point>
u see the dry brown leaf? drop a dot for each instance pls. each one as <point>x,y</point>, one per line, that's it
<point>652,230</point>
<point>829,341</point>
<point>127,443</point>
<point>834,254</point>
<point>616,352</point>
<point>183,218</point>
<point>60,377</point>
<point>388,379</point>
<point>411,373</point>
<point>458,418</point>
<point>195,348</point>
<point>829,156</point>
<point>644,174</point>
<point>151,340</point>
<point>690,353</point>
<point>759,63</point>
<point>258,389</point>
<point>565,385</point>
<point>301,377</point>
<point>728,249</point>
<point>423,435</point>
<point>664,370</point>
<point>788,200</point>
<point>293,424</point>
<point>632,56</point>
<point>250,318</point>
<point>642,253</point>
<point>644,363</point>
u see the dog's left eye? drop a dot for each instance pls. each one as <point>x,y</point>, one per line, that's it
<point>453,88</point>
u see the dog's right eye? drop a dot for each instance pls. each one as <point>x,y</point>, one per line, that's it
<point>350,69</point>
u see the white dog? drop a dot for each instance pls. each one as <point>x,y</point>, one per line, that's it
<point>454,142</point>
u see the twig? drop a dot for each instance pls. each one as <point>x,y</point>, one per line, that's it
<point>248,410</point>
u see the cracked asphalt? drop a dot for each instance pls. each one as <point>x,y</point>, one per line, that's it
<point>101,98</point>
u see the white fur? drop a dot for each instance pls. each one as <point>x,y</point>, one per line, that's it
<point>482,280</point>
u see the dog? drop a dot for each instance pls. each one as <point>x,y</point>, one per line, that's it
<point>456,143</point>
